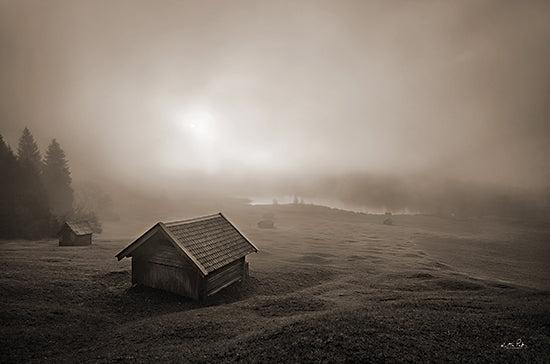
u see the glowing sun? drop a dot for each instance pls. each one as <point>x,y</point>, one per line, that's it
<point>200,124</point>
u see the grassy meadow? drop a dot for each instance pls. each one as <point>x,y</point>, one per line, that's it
<point>327,286</point>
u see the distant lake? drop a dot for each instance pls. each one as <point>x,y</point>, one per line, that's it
<point>283,200</point>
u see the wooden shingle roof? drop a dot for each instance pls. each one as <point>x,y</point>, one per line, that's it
<point>79,227</point>
<point>211,242</point>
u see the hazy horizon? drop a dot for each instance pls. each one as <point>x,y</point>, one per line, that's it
<point>251,98</point>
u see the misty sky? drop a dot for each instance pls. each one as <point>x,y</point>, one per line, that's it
<point>272,89</point>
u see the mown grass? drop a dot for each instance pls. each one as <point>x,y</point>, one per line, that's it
<point>327,286</point>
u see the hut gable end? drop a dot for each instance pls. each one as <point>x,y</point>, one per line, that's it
<point>159,250</point>
<point>195,257</point>
<point>75,233</point>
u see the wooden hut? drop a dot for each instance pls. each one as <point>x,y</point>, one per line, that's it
<point>194,258</point>
<point>75,233</point>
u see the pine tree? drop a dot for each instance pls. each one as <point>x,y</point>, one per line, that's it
<point>9,176</point>
<point>27,151</point>
<point>29,215</point>
<point>57,180</point>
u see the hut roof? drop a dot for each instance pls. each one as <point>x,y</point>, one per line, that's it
<point>211,242</point>
<point>78,227</point>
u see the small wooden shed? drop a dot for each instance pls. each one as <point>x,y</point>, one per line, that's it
<point>75,233</point>
<point>194,258</point>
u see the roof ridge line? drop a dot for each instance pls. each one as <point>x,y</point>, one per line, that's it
<point>205,217</point>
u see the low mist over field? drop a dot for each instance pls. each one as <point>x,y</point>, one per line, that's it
<point>415,107</point>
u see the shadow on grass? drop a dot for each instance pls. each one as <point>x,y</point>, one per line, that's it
<point>142,301</point>
<point>139,301</point>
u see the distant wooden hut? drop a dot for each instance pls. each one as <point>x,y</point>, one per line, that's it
<point>194,258</point>
<point>75,233</point>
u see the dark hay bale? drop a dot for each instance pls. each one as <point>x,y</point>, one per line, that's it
<point>266,224</point>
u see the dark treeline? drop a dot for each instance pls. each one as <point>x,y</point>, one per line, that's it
<point>36,196</point>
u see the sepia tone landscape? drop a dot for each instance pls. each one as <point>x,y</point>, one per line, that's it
<point>389,161</point>
<point>327,286</point>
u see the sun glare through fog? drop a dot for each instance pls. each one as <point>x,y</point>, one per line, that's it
<point>199,123</point>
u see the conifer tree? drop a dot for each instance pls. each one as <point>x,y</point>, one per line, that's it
<point>27,151</point>
<point>57,180</point>
<point>9,176</point>
<point>31,210</point>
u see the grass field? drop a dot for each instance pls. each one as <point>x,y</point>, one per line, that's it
<point>326,286</point>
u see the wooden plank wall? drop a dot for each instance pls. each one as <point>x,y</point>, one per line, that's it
<point>83,239</point>
<point>165,253</point>
<point>69,238</point>
<point>158,264</point>
<point>225,276</point>
<point>65,238</point>
<point>181,281</point>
